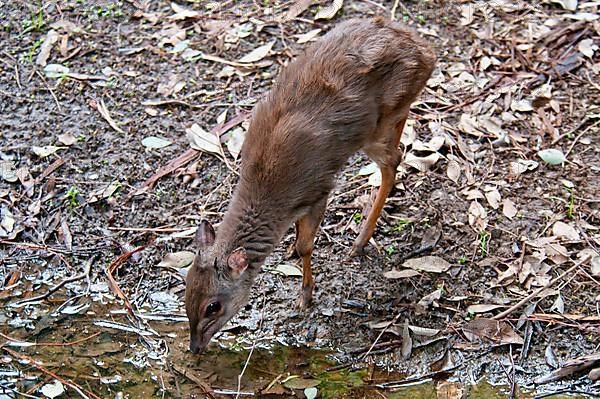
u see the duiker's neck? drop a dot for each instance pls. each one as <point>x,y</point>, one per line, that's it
<point>256,228</point>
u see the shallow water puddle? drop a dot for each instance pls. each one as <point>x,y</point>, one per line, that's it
<point>112,366</point>
<point>108,358</point>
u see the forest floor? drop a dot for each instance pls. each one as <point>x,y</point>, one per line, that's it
<point>120,130</point>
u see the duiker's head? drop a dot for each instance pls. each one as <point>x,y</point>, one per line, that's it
<point>217,287</point>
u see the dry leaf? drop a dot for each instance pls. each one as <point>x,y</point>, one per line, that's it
<point>563,230</point>
<point>178,260</point>
<point>182,13</point>
<point>587,47</point>
<point>51,38</point>
<point>570,5</point>
<point>493,198</point>
<point>509,209</point>
<point>202,140</point>
<point>308,36</point>
<point>330,11</point>
<point>67,139</point>
<point>571,367</point>
<point>521,105</point>
<point>428,300</point>
<point>477,216</point>
<point>453,171</point>
<point>101,108</point>
<point>432,264</point>
<point>492,330</point>
<point>422,164</point>
<point>483,308</point>
<point>297,8</point>
<point>375,179</point>
<point>466,12</point>
<point>469,125</point>
<point>398,274</point>
<point>46,150</point>
<point>8,171</point>
<point>522,166</point>
<point>257,54</point>
<point>154,142</point>
<point>550,357</point>
<point>423,331</point>
<point>235,142</point>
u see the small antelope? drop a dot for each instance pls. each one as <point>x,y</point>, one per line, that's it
<point>350,90</point>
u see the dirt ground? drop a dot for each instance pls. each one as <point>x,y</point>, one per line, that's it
<point>97,97</point>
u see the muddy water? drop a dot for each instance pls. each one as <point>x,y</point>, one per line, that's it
<point>153,361</point>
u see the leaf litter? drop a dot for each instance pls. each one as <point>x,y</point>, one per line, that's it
<point>488,144</point>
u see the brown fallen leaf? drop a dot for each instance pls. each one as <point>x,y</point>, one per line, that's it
<point>509,209</point>
<point>296,9</point>
<point>563,230</point>
<point>51,38</point>
<point>257,54</point>
<point>399,274</point>
<point>329,11</point>
<point>101,108</point>
<point>432,264</point>
<point>493,197</point>
<point>182,13</point>
<point>177,260</point>
<point>491,330</point>
<point>428,300</point>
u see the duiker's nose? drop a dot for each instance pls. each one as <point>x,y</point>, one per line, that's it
<point>195,346</point>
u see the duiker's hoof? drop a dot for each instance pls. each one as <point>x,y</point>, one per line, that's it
<point>357,250</point>
<point>305,299</point>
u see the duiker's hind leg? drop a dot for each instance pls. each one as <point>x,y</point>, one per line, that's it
<point>306,229</point>
<point>388,162</point>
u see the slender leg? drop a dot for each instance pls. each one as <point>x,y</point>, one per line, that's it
<point>306,229</point>
<point>388,177</point>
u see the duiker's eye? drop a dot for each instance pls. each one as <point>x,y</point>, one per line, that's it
<point>212,309</point>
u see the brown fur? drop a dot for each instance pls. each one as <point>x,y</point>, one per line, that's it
<point>351,90</point>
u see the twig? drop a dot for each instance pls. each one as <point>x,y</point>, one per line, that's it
<point>101,108</point>
<point>523,301</point>
<point>49,89</point>
<point>71,343</point>
<point>579,136</point>
<point>262,318</point>
<point>84,393</point>
<point>198,381</point>
<point>380,335</point>
<point>113,283</point>
<point>403,7</point>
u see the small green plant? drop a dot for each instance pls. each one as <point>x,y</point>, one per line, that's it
<point>421,19</point>
<point>570,203</point>
<point>33,49</point>
<point>35,23</point>
<point>357,217</point>
<point>462,260</point>
<point>484,241</point>
<point>108,11</point>
<point>390,250</point>
<point>401,225</point>
<point>73,197</point>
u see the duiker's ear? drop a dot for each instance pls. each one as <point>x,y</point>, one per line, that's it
<point>205,235</point>
<point>238,262</point>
